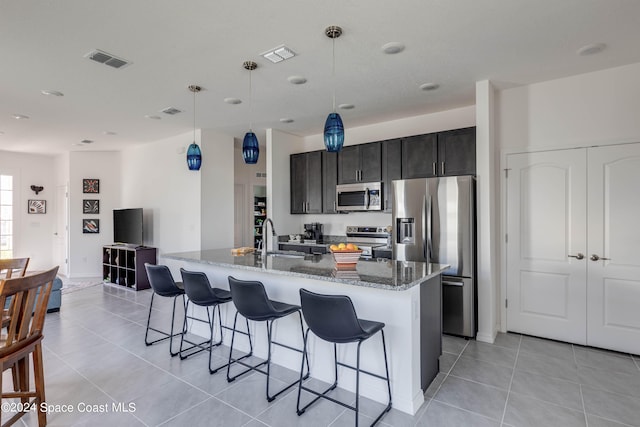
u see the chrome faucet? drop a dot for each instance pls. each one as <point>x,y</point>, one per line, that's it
<point>263,252</point>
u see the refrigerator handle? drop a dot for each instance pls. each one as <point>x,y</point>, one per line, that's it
<point>366,198</point>
<point>426,226</point>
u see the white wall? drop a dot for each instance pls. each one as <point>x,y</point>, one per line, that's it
<point>184,210</point>
<point>216,193</point>
<point>245,176</point>
<point>280,146</point>
<point>487,190</point>
<point>33,232</point>
<point>155,177</point>
<point>85,255</point>
<point>588,109</point>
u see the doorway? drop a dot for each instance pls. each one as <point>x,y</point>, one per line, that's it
<point>573,265</point>
<point>61,233</point>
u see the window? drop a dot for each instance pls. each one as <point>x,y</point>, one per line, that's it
<point>6,216</point>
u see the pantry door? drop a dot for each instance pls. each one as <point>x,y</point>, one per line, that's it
<point>546,244</point>
<point>613,296</point>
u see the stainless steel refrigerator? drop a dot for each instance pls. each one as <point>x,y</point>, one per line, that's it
<point>434,221</point>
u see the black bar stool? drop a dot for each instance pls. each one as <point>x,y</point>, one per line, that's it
<point>333,318</point>
<point>163,285</point>
<point>201,293</point>
<point>251,301</point>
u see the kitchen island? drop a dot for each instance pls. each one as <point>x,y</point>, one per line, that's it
<point>406,296</point>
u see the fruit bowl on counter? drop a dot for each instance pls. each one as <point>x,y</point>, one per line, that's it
<point>346,256</point>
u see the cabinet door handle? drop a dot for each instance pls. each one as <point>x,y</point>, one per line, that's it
<point>356,174</point>
<point>435,172</point>
<point>442,168</point>
<point>335,208</point>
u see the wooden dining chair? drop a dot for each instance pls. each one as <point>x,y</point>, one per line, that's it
<point>9,267</point>
<point>30,296</point>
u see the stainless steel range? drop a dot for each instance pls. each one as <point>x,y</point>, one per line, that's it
<point>368,237</point>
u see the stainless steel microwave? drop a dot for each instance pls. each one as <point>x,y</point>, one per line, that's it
<point>361,196</point>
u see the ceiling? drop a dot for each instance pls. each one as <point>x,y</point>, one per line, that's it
<point>172,44</point>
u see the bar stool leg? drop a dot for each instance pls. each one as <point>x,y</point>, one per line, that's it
<point>202,346</point>
<point>231,359</point>
<point>171,333</point>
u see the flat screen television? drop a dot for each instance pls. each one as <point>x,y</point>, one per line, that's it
<point>127,226</point>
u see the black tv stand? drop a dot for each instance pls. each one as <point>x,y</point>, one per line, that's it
<point>124,265</point>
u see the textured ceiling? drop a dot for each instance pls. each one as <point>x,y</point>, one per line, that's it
<point>171,45</point>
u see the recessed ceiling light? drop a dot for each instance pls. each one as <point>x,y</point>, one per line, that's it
<point>1,132</point>
<point>392,48</point>
<point>297,80</point>
<point>429,86</point>
<point>86,141</point>
<point>172,111</point>
<point>51,92</point>
<point>346,106</point>
<point>286,120</point>
<point>591,49</point>
<point>233,101</point>
<point>19,116</point>
<point>108,132</point>
<point>149,116</point>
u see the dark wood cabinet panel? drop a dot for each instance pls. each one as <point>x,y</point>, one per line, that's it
<point>348,164</point>
<point>457,152</point>
<point>360,163</point>
<point>391,169</point>
<point>314,182</point>
<point>298,177</point>
<point>371,162</point>
<point>419,156</point>
<point>307,249</point>
<point>329,181</point>
<point>306,182</point>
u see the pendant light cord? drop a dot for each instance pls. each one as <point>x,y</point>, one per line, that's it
<point>333,73</point>
<point>194,116</point>
<point>250,104</point>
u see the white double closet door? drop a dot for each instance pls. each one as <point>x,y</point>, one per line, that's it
<point>573,245</point>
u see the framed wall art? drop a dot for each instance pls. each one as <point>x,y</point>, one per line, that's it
<point>90,185</point>
<point>91,226</point>
<point>37,207</point>
<point>90,206</point>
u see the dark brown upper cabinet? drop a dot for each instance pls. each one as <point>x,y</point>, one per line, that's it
<point>360,163</point>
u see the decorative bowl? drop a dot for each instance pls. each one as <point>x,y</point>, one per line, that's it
<point>346,258</point>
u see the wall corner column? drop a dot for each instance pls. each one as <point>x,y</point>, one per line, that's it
<point>487,223</point>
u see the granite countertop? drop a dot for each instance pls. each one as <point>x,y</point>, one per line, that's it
<point>382,274</point>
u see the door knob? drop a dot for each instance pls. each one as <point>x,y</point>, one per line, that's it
<point>579,256</point>
<point>595,257</point>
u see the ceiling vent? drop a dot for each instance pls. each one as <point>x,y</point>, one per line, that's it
<point>172,111</point>
<point>279,54</point>
<point>107,59</point>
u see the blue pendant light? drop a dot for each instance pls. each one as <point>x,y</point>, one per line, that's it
<point>250,146</point>
<point>333,133</point>
<point>194,155</point>
<point>333,127</point>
